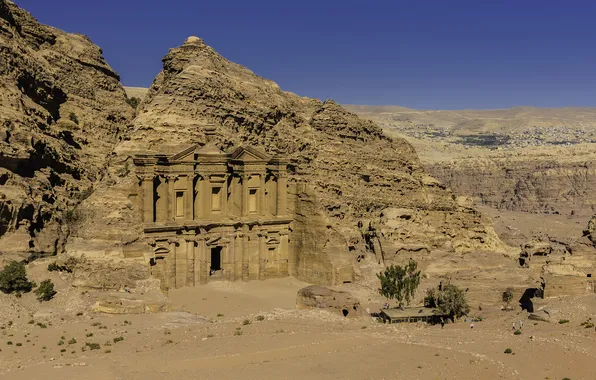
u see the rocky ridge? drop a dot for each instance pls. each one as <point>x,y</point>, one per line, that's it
<point>345,170</point>
<point>520,159</point>
<point>62,110</point>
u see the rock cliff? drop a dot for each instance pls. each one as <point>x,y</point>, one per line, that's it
<point>344,171</point>
<point>62,109</point>
<point>555,180</point>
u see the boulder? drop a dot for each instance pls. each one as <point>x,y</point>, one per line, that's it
<point>320,297</point>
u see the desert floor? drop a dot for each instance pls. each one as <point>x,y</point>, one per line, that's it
<point>218,334</point>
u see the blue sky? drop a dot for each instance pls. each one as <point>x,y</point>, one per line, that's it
<point>445,54</point>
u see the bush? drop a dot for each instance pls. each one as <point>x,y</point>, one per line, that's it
<point>118,339</point>
<point>13,278</point>
<point>450,300</point>
<point>400,282</point>
<point>246,322</point>
<point>508,351</point>
<point>72,341</point>
<point>563,321</point>
<point>93,346</point>
<point>260,318</point>
<point>507,296</point>
<point>133,102</point>
<point>46,291</point>
<point>517,332</point>
<point>73,118</point>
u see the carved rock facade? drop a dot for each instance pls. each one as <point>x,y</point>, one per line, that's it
<point>208,214</point>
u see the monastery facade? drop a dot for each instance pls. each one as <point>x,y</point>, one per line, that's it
<point>209,214</point>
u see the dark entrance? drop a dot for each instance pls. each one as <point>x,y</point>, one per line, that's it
<point>215,259</point>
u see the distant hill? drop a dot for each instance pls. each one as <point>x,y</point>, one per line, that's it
<point>136,92</point>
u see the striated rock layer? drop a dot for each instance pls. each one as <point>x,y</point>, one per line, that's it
<point>344,172</point>
<point>62,109</point>
<point>556,180</point>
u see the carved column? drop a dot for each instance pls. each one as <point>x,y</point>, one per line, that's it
<point>171,195</point>
<point>245,257</point>
<point>206,204</point>
<point>182,262</point>
<point>188,202</point>
<point>224,197</point>
<point>200,194</point>
<point>245,178</point>
<point>200,261</point>
<point>262,256</point>
<point>231,256</point>
<point>148,198</point>
<point>171,264</point>
<point>283,253</point>
<point>282,194</point>
<point>262,205</point>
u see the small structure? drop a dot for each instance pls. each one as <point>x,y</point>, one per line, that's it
<point>412,314</point>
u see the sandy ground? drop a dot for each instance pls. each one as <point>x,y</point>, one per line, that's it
<point>252,331</point>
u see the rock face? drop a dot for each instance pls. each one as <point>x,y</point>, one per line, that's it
<point>590,231</point>
<point>62,109</point>
<point>343,170</point>
<point>320,297</point>
<point>540,183</point>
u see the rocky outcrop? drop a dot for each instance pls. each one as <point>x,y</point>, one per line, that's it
<point>559,183</point>
<point>62,110</point>
<point>343,170</point>
<point>590,231</point>
<point>320,297</point>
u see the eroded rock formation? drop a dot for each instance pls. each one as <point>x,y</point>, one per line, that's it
<point>320,297</point>
<point>62,109</point>
<point>343,171</point>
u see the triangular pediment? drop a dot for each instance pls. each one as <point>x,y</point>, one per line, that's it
<point>248,153</point>
<point>186,153</point>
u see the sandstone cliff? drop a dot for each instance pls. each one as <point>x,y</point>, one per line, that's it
<point>546,180</point>
<point>62,109</point>
<point>344,171</point>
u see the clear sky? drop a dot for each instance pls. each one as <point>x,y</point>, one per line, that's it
<point>432,54</point>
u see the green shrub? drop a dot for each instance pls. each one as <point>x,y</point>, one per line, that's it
<point>118,339</point>
<point>563,321</point>
<point>93,346</point>
<point>133,102</point>
<point>220,315</point>
<point>46,291</point>
<point>42,325</point>
<point>246,322</point>
<point>13,278</point>
<point>238,332</point>
<point>517,332</point>
<point>53,267</point>
<point>260,318</point>
<point>89,335</point>
<point>72,341</point>
<point>508,351</point>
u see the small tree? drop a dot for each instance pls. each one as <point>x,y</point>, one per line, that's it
<point>400,282</point>
<point>507,296</point>
<point>450,300</point>
<point>13,278</point>
<point>46,291</point>
<point>133,102</point>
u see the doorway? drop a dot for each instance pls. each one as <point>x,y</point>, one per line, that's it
<point>215,260</point>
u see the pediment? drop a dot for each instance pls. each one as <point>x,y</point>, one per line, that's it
<point>248,153</point>
<point>185,154</point>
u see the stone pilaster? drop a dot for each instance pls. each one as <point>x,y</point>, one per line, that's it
<point>148,198</point>
<point>262,203</point>
<point>189,200</point>
<point>171,264</point>
<point>245,256</point>
<point>262,256</point>
<point>282,194</point>
<point>200,261</point>
<point>245,178</point>
<point>171,195</point>
<point>283,253</point>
